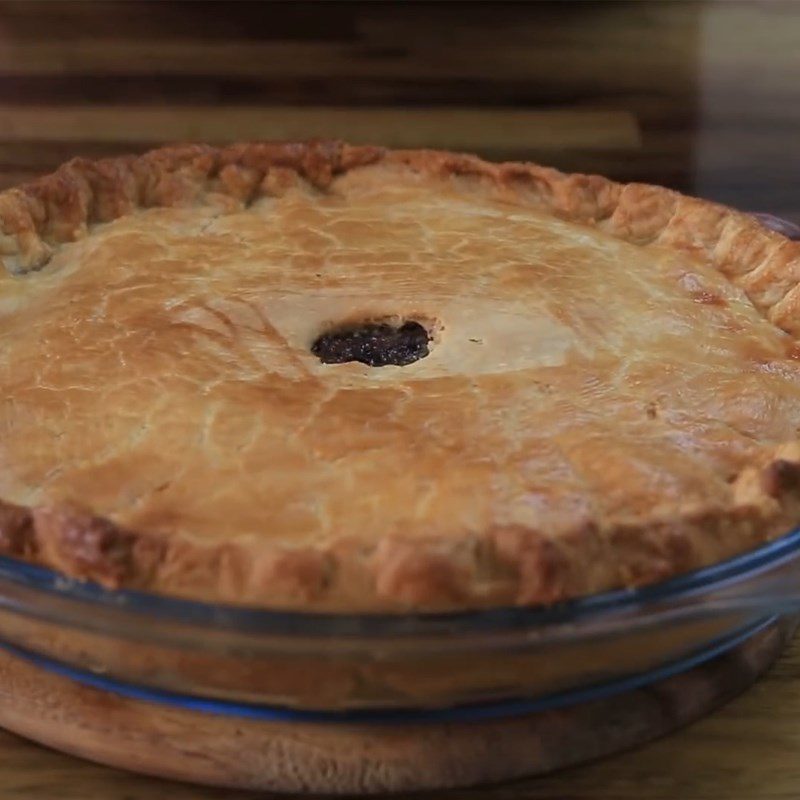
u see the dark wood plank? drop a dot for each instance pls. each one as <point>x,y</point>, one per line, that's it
<point>200,21</point>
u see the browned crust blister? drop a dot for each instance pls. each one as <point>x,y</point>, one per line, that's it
<point>502,566</point>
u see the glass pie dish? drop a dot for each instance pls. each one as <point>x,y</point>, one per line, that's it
<point>370,667</point>
<point>313,667</point>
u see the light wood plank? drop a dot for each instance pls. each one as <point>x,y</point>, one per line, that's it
<point>471,128</point>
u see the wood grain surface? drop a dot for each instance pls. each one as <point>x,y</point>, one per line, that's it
<point>700,96</point>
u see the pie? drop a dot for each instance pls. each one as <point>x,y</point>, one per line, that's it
<point>324,377</point>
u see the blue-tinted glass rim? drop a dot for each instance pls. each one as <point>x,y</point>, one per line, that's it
<point>470,712</point>
<point>296,623</point>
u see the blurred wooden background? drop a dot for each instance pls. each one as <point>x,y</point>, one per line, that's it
<point>702,96</point>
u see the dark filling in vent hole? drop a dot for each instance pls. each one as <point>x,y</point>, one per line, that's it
<point>374,344</point>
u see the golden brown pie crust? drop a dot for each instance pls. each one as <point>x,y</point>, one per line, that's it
<point>643,421</point>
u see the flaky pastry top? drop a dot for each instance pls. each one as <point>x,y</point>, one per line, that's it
<point>612,393</point>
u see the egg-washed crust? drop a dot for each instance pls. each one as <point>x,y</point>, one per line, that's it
<point>503,565</point>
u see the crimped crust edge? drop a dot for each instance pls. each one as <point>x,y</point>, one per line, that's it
<point>502,566</point>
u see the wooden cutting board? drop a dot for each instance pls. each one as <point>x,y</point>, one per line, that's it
<point>745,751</point>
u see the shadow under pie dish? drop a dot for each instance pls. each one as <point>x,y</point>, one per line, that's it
<point>324,381</point>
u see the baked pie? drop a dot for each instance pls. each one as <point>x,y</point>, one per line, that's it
<point>324,377</point>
